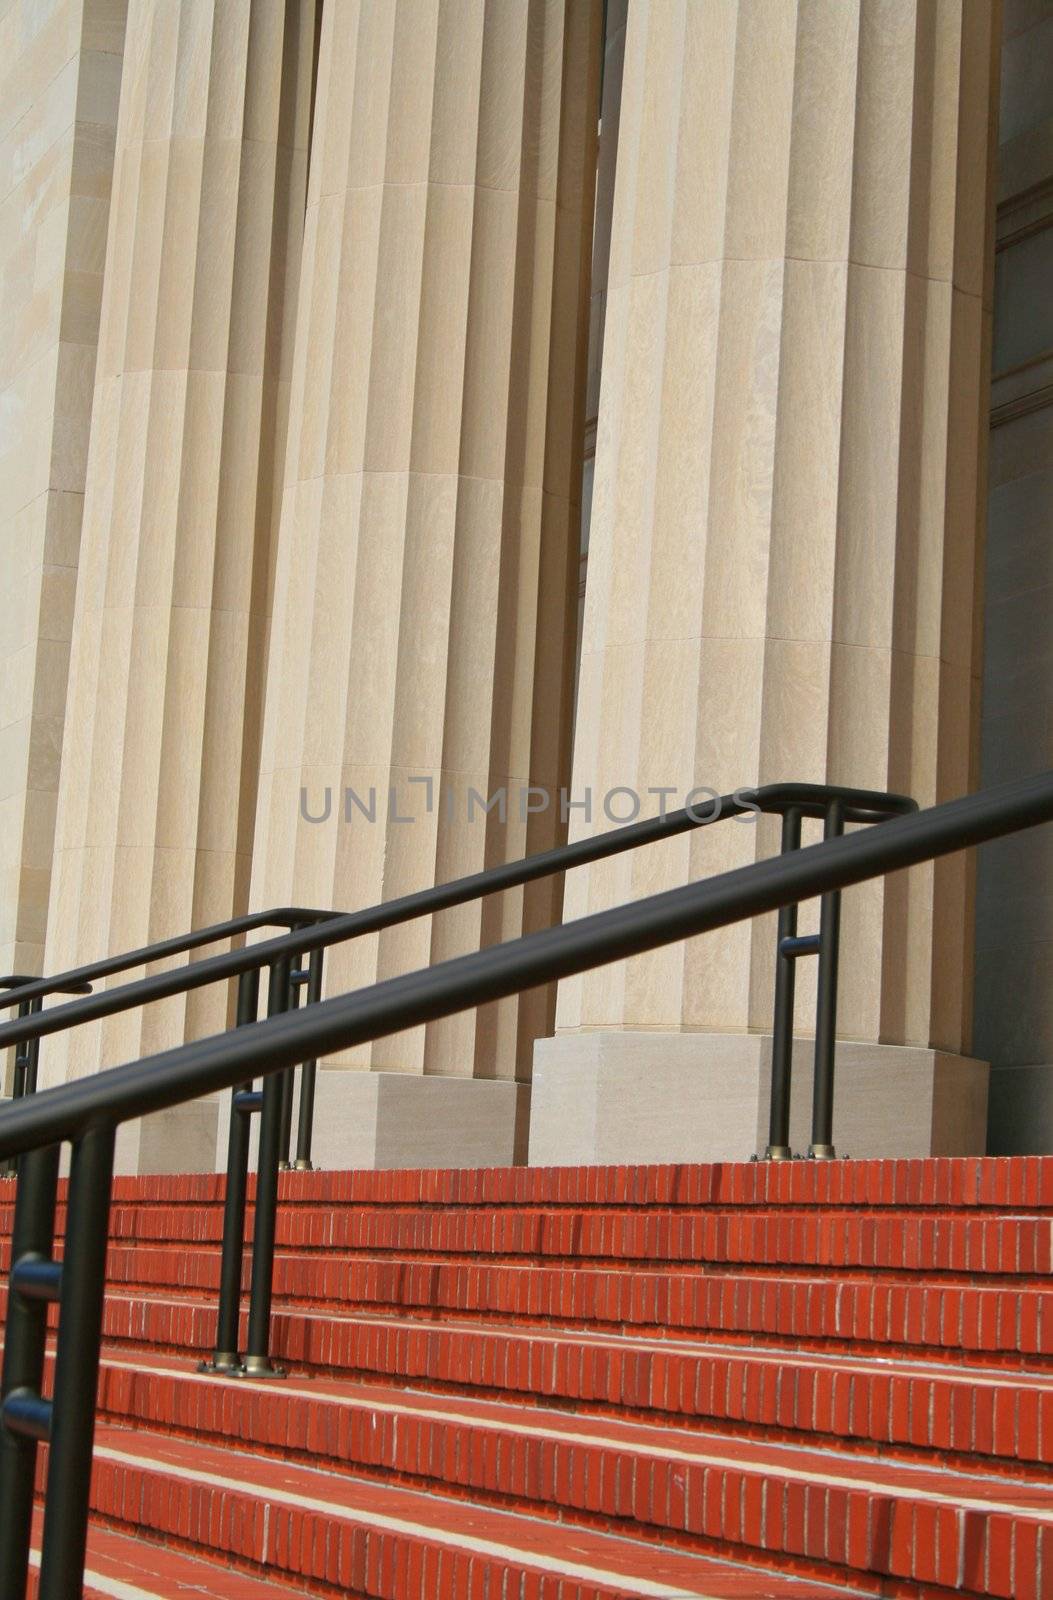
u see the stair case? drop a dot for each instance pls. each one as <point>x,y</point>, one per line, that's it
<point>780,1380</point>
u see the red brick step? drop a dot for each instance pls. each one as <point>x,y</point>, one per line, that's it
<point>973,1415</point>
<point>363,1537</point>
<point>917,1241</point>
<point>994,1182</point>
<point>120,1567</point>
<point>844,1369</point>
<point>841,1514</point>
<point>958,1319</point>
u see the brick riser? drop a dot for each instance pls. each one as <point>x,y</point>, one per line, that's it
<point>993,1424</point>
<point>977,1426</point>
<point>952,1321</point>
<point>372,1554</point>
<point>998,1183</point>
<point>1011,1244</point>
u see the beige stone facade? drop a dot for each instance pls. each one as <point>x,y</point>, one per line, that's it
<point>414,408</point>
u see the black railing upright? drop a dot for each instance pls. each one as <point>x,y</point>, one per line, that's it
<point>28,993</point>
<point>81,980</point>
<point>27,1054</point>
<point>86,1114</point>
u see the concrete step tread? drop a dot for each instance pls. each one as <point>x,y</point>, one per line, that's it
<point>319,1525</point>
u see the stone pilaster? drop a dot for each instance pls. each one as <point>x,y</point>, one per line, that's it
<point>788,476</point>
<point>183,485</point>
<point>59,85</point>
<point>423,635</point>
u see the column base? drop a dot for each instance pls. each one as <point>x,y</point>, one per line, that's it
<point>398,1119</point>
<point>181,1139</point>
<point>632,1098</point>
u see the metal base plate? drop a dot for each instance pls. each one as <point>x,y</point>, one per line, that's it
<point>221,1363</point>
<point>259,1367</point>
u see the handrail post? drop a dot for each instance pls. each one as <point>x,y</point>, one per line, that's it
<point>33,1051</point>
<point>782,1020</point>
<point>23,1371</point>
<point>77,1352</point>
<point>19,1076</point>
<point>288,1077</point>
<point>287,1085</point>
<point>18,1080</point>
<point>225,1357</point>
<point>308,1073</point>
<point>822,1145</point>
<point>257,1363</point>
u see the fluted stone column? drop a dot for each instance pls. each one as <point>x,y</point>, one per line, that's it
<point>423,634</point>
<point>784,545</point>
<point>60,73</point>
<point>183,484</point>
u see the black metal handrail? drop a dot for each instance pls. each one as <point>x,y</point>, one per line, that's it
<point>29,992</point>
<point>87,1113</point>
<point>311,932</point>
<point>79,980</point>
<point>27,1054</point>
<point>188,1072</point>
<point>330,927</point>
